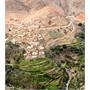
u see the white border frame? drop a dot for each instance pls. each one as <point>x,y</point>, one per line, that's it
<point>2,44</point>
<point>87,44</point>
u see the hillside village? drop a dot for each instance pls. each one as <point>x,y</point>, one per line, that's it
<point>45,44</point>
<point>42,29</point>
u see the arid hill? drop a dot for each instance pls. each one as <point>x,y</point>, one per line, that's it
<point>42,23</point>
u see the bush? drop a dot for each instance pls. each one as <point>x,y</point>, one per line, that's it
<point>14,53</point>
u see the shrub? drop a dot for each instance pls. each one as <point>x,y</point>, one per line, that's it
<point>14,53</point>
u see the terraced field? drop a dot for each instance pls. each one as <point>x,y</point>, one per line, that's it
<point>62,67</point>
<point>43,72</point>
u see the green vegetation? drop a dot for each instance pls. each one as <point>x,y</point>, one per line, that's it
<point>63,67</point>
<point>71,57</point>
<point>55,34</point>
<point>14,53</point>
<point>38,74</point>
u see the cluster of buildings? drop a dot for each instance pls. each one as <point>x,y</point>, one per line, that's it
<point>35,51</point>
<point>38,31</point>
<point>27,38</point>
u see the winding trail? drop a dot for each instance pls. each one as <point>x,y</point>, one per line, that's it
<point>70,77</point>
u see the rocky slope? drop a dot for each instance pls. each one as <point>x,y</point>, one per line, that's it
<point>44,28</point>
<point>45,44</point>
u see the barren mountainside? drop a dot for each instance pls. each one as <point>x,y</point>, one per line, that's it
<point>31,5</point>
